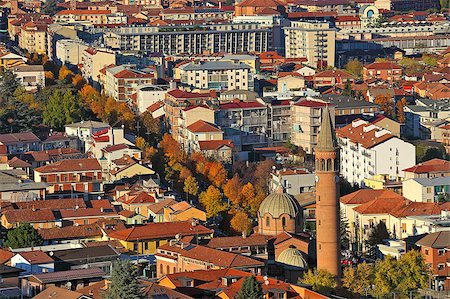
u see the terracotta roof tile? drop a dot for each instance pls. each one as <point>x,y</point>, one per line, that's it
<point>36,257</point>
<point>214,144</point>
<point>202,126</point>
<point>359,134</point>
<point>366,195</point>
<point>5,255</point>
<point>434,165</point>
<point>160,230</point>
<point>71,165</point>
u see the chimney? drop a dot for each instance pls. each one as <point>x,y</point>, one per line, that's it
<point>33,208</point>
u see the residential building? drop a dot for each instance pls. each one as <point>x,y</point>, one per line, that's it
<point>386,71</point>
<point>93,60</point>
<point>382,181</point>
<point>367,150</point>
<point>36,283</point>
<point>256,8</point>
<point>146,239</point>
<point>33,262</point>
<point>84,130</point>
<point>290,81</point>
<point>147,95</point>
<point>244,123</point>
<point>429,169</point>
<point>332,77</point>
<point>279,121</point>
<point>315,40</point>
<point>10,286</point>
<point>68,176</point>
<point>31,77</point>
<point>218,75</point>
<point>16,190</point>
<point>294,181</point>
<point>194,39</point>
<point>17,143</point>
<point>82,15</point>
<point>176,257</point>
<point>197,132</point>
<point>57,292</point>
<point>347,108</point>
<point>435,189</point>
<point>8,60</point>
<point>190,115</point>
<point>306,116</point>
<point>69,51</point>
<point>436,249</point>
<point>33,37</point>
<point>176,100</point>
<point>122,80</point>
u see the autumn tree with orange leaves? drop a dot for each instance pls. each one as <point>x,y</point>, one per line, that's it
<point>400,113</point>
<point>241,223</point>
<point>386,104</point>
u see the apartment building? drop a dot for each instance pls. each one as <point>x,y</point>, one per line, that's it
<point>69,51</point>
<point>368,150</point>
<point>386,71</point>
<point>429,169</point>
<point>33,37</point>
<point>314,40</point>
<point>73,175</point>
<point>306,120</point>
<point>279,119</point>
<point>435,189</point>
<point>217,75</point>
<point>92,16</point>
<point>245,123</point>
<point>198,39</point>
<point>176,100</point>
<point>200,131</point>
<point>189,116</point>
<point>121,81</point>
<point>31,77</point>
<point>93,60</point>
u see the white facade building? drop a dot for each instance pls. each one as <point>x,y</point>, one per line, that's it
<point>69,51</point>
<point>147,95</point>
<point>368,150</point>
<point>31,77</point>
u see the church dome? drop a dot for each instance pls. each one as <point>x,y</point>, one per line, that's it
<point>279,203</point>
<point>292,257</point>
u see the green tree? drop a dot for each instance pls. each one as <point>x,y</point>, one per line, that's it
<point>62,109</point>
<point>8,85</point>
<point>23,236</point>
<point>413,273</point>
<point>348,91</point>
<point>320,280</point>
<point>50,7</point>
<point>17,116</point>
<point>250,289</point>
<point>124,282</point>
<point>151,124</point>
<point>190,187</point>
<point>377,235</point>
<point>344,231</point>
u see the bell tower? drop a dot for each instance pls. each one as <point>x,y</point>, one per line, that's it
<point>327,198</point>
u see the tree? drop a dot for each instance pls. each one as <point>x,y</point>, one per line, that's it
<point>413,273</point>
<point>248,194</point>
<point>23,236</point>
<point>211,199</point>
<point>385,103</point>
<point>62,109</point>
<point>190,187</point>
<point>250,289</point>
<point>151,124</point>
<point>65,74</point>
<point>78,81</point>
<point>399,108</point>
<point>358,279</point>
<point>241,223</point>
<point>232,190</point>
<point>320,280</point>
<point>171,148</point>
<point>18,117</point>
<point>354,67</point>
<point>348,91</point>
<point>22,95</point>
<point>217,174</point>
<point>50,7</point>
<point>124,282</point>
<point>377,235</point>
<point>344,232</point>
<point>254,204</point>
<point>8,85</point>
<point>262,175</point>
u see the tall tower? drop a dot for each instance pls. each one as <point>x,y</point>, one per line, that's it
<point>327,198</point>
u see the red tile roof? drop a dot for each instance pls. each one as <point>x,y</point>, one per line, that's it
<point>160,231</point>
<point>333,74</point>
<point>5,255</point>
<point>84,12</point>
<point>381,205</point>
<point>28,215</point>
<point>181,94</point>
<point>365,139</point>
<point>385,65</point>
<point>226,242</point>
<point>18,163</point>
<point>417,209</point>
<point>130,74</point>
<point>241,105</point>
<point>434,165</point>
<point>155,106</point>
<point>88,213</point>
<point>367,195</point>
<point>51,204</point>
<point>311,104</point>
<point>201,126</point>
<point>210,255</point>
<point>71,165</point>
<point>36,257</point>
<point>208,145</point>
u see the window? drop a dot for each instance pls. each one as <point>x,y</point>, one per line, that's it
<point>283,221</point>
<point>267,221</point>
<point>167,269</point>
<point>429,190</point>
<point>403,227</point>
<point>440,266</point>
<point>161,269</point>
<point>441,251</point>
<point>427,252</point>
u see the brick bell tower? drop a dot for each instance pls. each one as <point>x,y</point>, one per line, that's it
<point>327,198</point>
